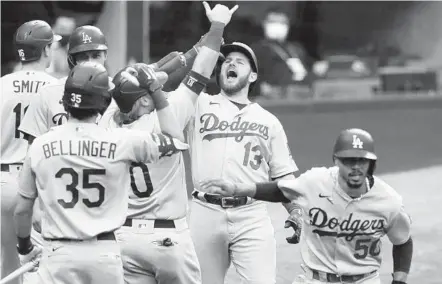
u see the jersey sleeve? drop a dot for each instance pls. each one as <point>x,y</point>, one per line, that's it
<point>183,105</point>
<point>36,119</point>
<point>142,147</point>
<point>281,162</point>
<point>399,229</point>
<point>26,181</point>
<point>304,187</point>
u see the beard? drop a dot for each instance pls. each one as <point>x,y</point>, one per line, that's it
<point>355,183</point>
<point>232,88</point>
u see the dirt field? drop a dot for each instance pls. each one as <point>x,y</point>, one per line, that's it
<point>421,191</point>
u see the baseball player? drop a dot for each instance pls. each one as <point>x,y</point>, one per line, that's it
<point>87,43</point>
<point>158,203</point>
<point>349,211</point>
<point>32,42</point>
<point>80,172</point>
<point>236,139</point>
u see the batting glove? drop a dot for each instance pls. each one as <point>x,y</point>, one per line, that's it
<point>167,145</point>
<point>32,256</point>
<point>294,221</point>
<point>149,79</point>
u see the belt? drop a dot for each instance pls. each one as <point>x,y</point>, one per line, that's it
<point>6,167</point>
<point>107,236</point>
<point>158,224</point>
<point>224,202</point>
<point>334,278</point>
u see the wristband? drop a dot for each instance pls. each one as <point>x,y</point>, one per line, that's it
<point>398,282</point>
<point>214,36</point>
<point>195,82</point>
<point>25,245</point>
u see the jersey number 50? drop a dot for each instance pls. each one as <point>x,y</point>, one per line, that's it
<point>364,247</point>
<point>72,187</point>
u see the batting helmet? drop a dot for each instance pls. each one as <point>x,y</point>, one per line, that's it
<point>85,38</point>
<point>31,38</point>
<point>88,87</point>
<point>126,93</point>
<point>354,143</point>
<point>242,48</point>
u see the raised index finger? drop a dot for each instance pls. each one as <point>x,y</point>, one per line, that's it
<point>234,9</point>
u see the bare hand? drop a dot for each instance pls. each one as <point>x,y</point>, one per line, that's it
<point>219,13</point>
<point>218,186</point>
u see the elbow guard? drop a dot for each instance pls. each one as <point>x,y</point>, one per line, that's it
<point>402,255</point>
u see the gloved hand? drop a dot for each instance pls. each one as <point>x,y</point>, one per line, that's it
<point>32,256</point>
<point>167,145</point>
<point>219,13</point>
<point>145,77</point>
<point>294,221</point>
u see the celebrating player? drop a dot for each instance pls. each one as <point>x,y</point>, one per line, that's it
<point>158,203</point>
<point>350,210</point>
<point>86,44</point>
<point>33,45</point>
<point>92,164</point>
<point>239,140</point>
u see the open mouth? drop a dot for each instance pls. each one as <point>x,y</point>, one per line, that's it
<point>231,74</point>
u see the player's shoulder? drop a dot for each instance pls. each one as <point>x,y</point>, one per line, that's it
<point>320,173</point>
<point>383,189</point>
<point>266,115</point>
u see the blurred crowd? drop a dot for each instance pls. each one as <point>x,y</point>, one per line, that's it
<point>293,64</point>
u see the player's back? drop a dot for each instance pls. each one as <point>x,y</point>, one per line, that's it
<point>18,90</point>
<point>157,190</point>
<point>82,175</point>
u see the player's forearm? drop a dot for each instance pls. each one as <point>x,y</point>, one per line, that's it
<point>23,216</point>
<point>266,191</point>
<point>402,256</point>
<point>166,116</point>
<point>208,55</point>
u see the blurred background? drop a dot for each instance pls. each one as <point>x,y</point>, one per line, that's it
<point>306,50</point>
<point>323,66</point>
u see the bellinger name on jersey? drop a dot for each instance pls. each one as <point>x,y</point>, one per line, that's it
<point>237,128</point>
<point>86,148</point>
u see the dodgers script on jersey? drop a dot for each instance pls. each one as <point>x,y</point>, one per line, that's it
<point>344,235</point>
<point>45,111</point>
<point>247,145</point>
<point>80,171</point>
<point>158,190</point>
<point>18,90</point>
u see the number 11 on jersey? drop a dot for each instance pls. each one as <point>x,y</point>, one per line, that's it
<point>18,117</point>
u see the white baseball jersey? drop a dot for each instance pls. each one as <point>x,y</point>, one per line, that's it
<point>18,90</point>
<point>80,173</point>
<point>158,190</point>
<point>240,145</point>
<point>46,111</point>
<point>344,234</point>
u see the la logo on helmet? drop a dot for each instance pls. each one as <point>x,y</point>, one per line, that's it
<point>86,38</point>
<point>357,143</point>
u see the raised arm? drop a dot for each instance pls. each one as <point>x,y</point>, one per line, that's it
<point>207,53</point>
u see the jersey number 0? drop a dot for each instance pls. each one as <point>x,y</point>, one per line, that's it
<point>86,184</point>
<point>146,178</point>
